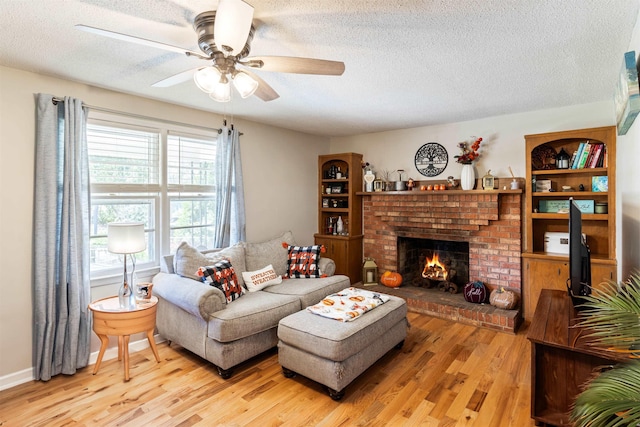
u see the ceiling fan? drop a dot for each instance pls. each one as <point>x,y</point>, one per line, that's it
<point>224,37</point>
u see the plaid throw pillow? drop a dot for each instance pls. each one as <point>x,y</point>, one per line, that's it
<point>303,261</point>
<point>222,276</point>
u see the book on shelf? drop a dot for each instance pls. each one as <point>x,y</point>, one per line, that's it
<point>573,159</point>
<point>584,156</point>
<point>596,156</point>
<point>589,155</point>
<point>576,159</point>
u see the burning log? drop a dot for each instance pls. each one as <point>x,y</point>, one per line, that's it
<point>434,269</point>
<point>446,286</point>
<point>436,273</point>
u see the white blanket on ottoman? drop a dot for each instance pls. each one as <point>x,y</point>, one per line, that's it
<point>348,304</point>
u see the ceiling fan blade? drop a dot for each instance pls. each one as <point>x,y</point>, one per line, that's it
<point>176,78</point>
<point>232,25</point>
<point>289,64</point>
<point>264,91</point>
<point>139,40</point>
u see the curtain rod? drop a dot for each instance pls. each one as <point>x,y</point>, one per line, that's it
<point>57,99</point>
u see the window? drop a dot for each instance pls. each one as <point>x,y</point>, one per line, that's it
<point>190,185</point>
<point>152,172</point>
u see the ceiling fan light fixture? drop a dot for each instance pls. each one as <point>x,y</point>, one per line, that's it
<point>232,25</point>
<point>221,92</point>
<point>207,78</point>
<point>244,84</point>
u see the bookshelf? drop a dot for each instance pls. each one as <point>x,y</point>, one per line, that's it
<point>544,211</point>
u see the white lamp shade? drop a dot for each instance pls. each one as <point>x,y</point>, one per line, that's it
<point>207,78</point>
<point>221,93</point>
<point>245,84</point>
<point>126,237</point>
<point>232,25</point>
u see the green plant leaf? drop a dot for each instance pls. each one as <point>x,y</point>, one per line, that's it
<point>611,399</point>
<point>611,320</point>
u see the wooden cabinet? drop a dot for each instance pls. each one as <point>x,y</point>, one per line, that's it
<point>540,218</point>
<point>339,179</point>
<point>552,272</point>
<point>347,254</point>
<point>561,359</point>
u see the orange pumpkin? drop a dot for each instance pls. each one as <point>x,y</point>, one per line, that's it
<point>391,279</point>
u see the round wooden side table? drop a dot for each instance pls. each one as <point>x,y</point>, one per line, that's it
<point>110,319</point>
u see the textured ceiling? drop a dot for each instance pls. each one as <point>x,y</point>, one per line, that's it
<point>408,62</point>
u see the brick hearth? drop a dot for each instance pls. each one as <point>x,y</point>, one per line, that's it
<point>489,220</point>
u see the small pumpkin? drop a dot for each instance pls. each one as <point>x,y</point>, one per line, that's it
<point>391,279</point>
<point>475,292</point>
<point>503,298</point>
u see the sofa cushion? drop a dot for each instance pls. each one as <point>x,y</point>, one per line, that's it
<point>187,260</point>
<point>260,279</point>
<point>253,313</point>
<point>222,276</point>
<point>302,261</point>
<point>258,255</point>
<point>310,291</point>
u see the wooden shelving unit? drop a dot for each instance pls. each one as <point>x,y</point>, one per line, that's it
<point>337,198</point>
<point>548,270</point>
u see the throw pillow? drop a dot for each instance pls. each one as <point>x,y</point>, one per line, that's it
<point>260,279</point>
<point>187,260</point>
<point>222,276</point>
<point>235,254</point>
<point>269,252</point>
<point>303,261</point>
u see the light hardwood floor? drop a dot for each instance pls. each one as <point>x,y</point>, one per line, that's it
<point>447,374</point>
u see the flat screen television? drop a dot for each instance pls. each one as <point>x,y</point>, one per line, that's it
<point>579,282</point>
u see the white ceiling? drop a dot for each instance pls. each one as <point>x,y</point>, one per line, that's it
<point>408,63</point>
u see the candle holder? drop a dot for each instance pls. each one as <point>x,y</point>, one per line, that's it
<point>369,272</point>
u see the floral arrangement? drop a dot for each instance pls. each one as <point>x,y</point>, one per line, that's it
<point>468,153</point>
<point>366,166</point>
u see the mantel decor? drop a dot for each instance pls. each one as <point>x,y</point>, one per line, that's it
<point>468,153</point>
<point>431,159</point>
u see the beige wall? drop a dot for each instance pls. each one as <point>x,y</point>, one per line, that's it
<point>628,183</point>
<point>503,140</point>
<point>279,171</point>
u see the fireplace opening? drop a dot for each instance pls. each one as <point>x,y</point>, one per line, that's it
<point>438,264</point>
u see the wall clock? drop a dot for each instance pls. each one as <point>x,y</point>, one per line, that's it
<point>431,159</point>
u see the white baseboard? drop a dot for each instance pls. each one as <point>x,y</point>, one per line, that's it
<point>26,375</point>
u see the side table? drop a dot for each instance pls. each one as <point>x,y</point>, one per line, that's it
<point>110,319</point>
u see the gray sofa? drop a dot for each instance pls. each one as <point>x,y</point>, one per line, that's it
<point>197,316</point>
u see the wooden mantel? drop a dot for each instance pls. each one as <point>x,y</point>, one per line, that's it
<point>434,193</point>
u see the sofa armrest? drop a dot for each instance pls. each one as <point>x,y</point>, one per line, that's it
<point>194,297</point>
<point>327,266</point>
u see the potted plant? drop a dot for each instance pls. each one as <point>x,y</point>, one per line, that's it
<point>612,318</point>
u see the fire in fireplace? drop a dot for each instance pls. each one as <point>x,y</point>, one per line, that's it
<point>434,263</point>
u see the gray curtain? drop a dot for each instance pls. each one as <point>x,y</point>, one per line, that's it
<point>62,322</point>
<point>230,224</point>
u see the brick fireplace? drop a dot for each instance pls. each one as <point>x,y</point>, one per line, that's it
<point>490,221</point>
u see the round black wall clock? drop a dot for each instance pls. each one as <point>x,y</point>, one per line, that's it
<point>431,159</point>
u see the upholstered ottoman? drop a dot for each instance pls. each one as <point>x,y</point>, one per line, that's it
<point>334,353</point>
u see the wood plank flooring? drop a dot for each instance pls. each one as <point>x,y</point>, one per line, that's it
<point>447,374</point>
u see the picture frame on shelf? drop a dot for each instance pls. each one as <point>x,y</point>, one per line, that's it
<point>600,184</point>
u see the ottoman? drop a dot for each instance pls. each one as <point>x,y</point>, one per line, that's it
<point>334,353</point>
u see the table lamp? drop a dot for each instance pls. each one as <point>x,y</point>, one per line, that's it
<point>126,238</point>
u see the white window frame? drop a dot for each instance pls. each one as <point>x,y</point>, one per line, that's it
<point>160,194</point>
